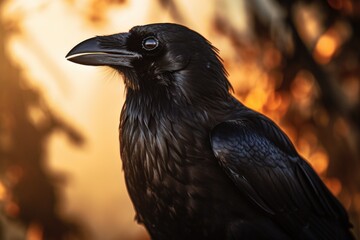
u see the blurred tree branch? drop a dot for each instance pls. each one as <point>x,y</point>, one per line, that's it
<point>332,116</point>
<point>340,135</point>
<point>31,194</point>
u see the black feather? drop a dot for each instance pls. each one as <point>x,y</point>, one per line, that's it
<point>198,164</point>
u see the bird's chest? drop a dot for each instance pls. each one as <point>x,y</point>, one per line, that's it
<point>152,148</point>
<point>159,155</point>
<point>168,168</point>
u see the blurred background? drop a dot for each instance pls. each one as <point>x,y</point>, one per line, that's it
<point>297,61</point>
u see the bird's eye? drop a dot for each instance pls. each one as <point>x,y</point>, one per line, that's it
<point>150,43</point>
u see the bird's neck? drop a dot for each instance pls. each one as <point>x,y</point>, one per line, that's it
<point>151,102</point>
<point>148,121</point>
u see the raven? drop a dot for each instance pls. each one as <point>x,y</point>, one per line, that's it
<point>199,164</point>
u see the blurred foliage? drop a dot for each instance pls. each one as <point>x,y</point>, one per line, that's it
<point>29,193</point>
<point>309,54</point>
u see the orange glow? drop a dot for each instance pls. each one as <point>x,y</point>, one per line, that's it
<point>357,201</point>
<point>304,147</point>
<point>351,88</point>
<point>320,161</point>
<point>34,232</point>
<point>14,174</point>
<point>326,47</point>
<point>321,117</point>
<point>2,191</point>
<point>334,185</point>
<point>303,91</point>
<point>274,101</point>
<point>272,58</point>
<point>12,209</point>
<point>341,127</point>
<point>256,98</point>
<point>308,145</point>
<point>302,86</point>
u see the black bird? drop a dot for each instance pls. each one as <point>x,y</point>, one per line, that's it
<point>198,164</point>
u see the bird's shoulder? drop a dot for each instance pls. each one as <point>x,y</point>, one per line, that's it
<point>263,163</point>
<point>255,132</point>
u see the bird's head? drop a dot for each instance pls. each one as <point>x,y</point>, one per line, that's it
<point>158,56</point>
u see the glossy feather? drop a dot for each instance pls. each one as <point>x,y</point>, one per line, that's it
<point>198,164</point>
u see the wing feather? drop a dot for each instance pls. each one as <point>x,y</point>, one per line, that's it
<point>265,166</point>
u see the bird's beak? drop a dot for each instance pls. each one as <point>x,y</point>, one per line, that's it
<point>103,51</point>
